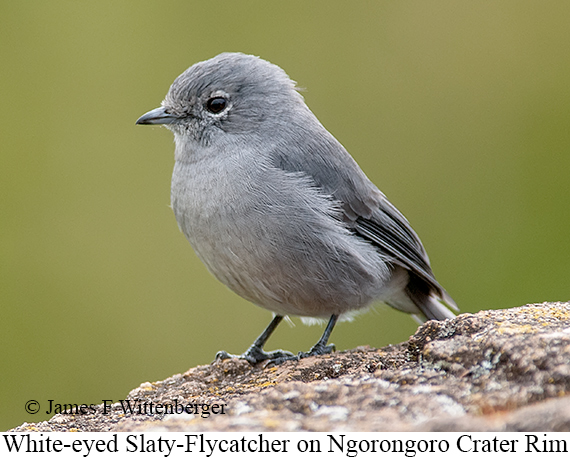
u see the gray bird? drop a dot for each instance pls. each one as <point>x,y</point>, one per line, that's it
<point>278,210</point>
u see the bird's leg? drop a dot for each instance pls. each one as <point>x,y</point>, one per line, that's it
<point>256,354</point>
<point>321,347</point>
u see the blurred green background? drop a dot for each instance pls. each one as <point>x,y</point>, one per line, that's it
<point>458,111</point>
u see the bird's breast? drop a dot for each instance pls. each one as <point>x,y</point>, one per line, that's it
<point>274,239</point>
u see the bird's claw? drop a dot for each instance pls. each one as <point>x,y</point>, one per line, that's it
<point>255,355</point>
<point>318,349</point>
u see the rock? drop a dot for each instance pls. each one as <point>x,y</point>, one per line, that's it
<point>498,370</point>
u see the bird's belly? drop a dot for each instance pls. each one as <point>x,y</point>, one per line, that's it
<point>302,277</point>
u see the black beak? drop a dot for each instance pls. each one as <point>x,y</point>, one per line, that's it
<point>157,116</point>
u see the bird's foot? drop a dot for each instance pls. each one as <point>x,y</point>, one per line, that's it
<point>254,355</point>
<point>318,349</point>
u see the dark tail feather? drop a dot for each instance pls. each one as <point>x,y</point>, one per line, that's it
<point>434,305</point>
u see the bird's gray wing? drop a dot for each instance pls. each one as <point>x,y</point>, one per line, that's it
<point>365,209</point>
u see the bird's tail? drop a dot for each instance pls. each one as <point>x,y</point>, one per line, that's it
<point>434,307</point>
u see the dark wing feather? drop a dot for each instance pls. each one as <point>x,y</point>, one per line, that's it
<point>387,231</point>
<point>390,231</point>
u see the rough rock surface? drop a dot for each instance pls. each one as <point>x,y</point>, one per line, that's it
<point>499,370</point>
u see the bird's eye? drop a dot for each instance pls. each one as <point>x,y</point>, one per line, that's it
<point>216,105</point>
